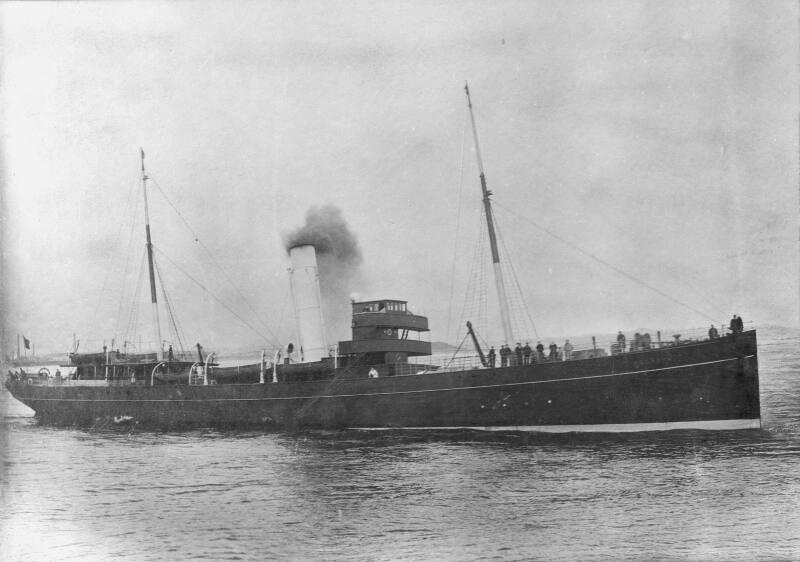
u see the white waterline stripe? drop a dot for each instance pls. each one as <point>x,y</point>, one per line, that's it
<point>266,398</point>
<point>754,423</point>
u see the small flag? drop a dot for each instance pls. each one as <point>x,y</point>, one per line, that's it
<point>27,342</point>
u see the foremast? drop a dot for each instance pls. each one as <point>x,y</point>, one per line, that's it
<point>153,295</point>
<point>505,316</point>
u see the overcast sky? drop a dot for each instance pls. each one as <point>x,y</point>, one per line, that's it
<point>658,137</point>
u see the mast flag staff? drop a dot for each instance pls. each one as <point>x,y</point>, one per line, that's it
<point>505,316</point>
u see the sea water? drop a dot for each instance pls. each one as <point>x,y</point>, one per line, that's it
<point>329,495</point>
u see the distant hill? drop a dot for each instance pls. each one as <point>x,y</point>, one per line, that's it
<point>442,347</point>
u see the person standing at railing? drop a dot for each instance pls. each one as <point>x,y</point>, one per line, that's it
<point>504,351</point>
<point>567,350</point>
<point>539,352</point>
<point>713,333</point>
<point>492,357</point>
<point>526,353</point>
<point>518,354</point>
<point>553,351</point>
<point>736,325</point>
<point>621,341</point>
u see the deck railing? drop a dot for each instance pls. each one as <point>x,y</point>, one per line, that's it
<point>582,348</point>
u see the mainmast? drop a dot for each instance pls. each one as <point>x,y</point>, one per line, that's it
<point>153,296</point>
<point>505,317</point>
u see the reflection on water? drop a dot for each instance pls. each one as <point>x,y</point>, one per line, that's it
<point>101,494</point>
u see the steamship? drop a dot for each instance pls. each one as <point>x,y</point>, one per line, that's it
<point>385,378</point>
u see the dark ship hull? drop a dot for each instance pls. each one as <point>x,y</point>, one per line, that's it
<point>367,382</point>
<point>711,384</point>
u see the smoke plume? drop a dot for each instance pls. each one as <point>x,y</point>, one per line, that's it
<point>338,259</point>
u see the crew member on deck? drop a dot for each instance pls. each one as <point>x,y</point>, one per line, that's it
<point>526,353</point>
<point>518,354</point>
<point>553,351</point>
<point>492,357</point>
<point>373,373</point>
<point>567,350</point>
<point>621,341</point>
<point>539,351</point>
<point>503,355</point>
<point>713,333</point>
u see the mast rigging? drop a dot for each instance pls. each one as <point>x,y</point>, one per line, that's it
<point>505,316</point>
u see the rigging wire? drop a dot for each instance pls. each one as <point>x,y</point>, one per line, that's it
<point>129,255</point>
<point>170,311</point>
<point>458,224</point>
<point>483,279</point>
<point>683,278</point>
<point>287,298</point>
<point>210,255</point>
<point>519,294</point>
<point>133,316</point>
<point>474,307</point>
<point>605,263</point>
<point>271,338</point>
<point>116,241</point>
